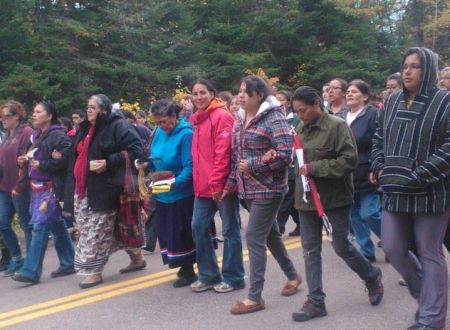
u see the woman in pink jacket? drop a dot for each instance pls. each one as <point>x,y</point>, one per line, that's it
<point>211,156</point>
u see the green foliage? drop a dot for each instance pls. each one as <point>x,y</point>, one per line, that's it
<point>66,50</point>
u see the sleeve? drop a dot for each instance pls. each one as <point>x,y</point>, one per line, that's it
<point>222,153</point>
<point>22,180</point>
<point>282,141</point>
<point>128,139</point>
<point>437,166</point>
<point>185,176</point>
<point>232,184</point>
<point>346,159</point>
<point>62,143</point>
<point>377,142</point>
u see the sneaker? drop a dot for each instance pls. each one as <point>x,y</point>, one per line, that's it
<point>375,290</point>
<point>13,267</point>
<point>62,272</point>
<point>199,286</point>
<point>223,287</point>
<point>420,326</point>
<point>21,278</point>
<point>309,311</point>
<point>184,281</point>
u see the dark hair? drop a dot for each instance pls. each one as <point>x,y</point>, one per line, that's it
<point>50,108</point>
<point>16,108</point>
<point>66,122</point>
<point>141,113</point>
<point>103,102</point>
<point>128,115</point>
<point>209,86</point>
<point>343,83</point>
<point>307,95</point>
<point>226,97</point>
<point>395,76</point>
<point>165,107</point>
<point>255,84</point>
<point>80,113</point>
<point>287,94</point>
<point>363,87</point>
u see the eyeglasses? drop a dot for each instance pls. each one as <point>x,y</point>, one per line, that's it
<point>335,88</point>
<point>412,66</point>
<point>9,115</point>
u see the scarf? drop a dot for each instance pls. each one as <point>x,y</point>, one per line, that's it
<point>81,164</point>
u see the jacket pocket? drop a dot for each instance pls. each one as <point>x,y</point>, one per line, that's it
<point>398,176</point>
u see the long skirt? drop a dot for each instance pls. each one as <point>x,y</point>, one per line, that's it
<point>96,240</point>
<point>175,233</point>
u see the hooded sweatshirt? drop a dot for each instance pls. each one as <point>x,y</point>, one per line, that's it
<point>412,146</point>
<point>173,151</point>
<point>211,148</point>
<point>269,129</point>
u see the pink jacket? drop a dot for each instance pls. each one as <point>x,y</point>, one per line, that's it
<point>211,148</point>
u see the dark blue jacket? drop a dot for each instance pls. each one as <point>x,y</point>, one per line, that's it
<point>363,128</point>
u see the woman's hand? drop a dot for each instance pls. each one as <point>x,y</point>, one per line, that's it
<point>34,164</point>
<point>373,177</point>
<point>217,196</point>
<point>14,193</point>
<point>303,171</point>
<point>244,167</point>
<point>269,155</point>
<point>21,160</point>
<point>101,166</point>
<point>56,154</point>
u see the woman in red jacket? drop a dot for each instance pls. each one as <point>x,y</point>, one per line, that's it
<point>211,148</point>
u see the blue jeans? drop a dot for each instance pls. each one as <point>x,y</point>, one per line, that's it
<point>233,265</point>
<point>8,206</point>
<point>366,216</point>
<point>32,267</point>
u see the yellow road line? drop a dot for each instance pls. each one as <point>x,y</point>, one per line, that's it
<point>95,295</point>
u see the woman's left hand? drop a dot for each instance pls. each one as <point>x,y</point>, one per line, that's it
<point>244,167</point>
<point>34,164</point>
<point>102,166</point>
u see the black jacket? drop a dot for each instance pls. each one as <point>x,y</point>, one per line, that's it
<point>363,128</point>
<point>55,139</point>
<point>112,134</point>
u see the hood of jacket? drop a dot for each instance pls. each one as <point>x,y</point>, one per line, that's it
<point>269,103</point>
<point>200,116</point>
<point>429,62</point>
<point>37,133</point>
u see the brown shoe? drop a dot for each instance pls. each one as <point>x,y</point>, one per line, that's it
<point>240,308</point>
<point>134,266</point>
<point>91,280</point>
<point>289,289</point>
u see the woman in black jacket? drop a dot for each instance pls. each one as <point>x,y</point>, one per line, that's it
<point>366,210</point>
<point>98,169</point>
<point>47,176</point>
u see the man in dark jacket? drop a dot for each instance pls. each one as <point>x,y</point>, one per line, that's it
<point>330,150</point>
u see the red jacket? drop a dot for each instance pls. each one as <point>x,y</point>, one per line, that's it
<point>211,148</point>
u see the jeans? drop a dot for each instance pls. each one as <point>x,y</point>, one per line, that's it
<point>311,236</point>
<point>263,229</point>
<point>8,206</point>
<point>233,265</point>
<point>366,216</point>
<point>426,277</point>
<point>32,267</point>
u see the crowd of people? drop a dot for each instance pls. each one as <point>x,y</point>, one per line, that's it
<point>337,159</point>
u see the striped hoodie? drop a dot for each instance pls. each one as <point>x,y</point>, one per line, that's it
<point>269,129</point>
<point>412,146</point>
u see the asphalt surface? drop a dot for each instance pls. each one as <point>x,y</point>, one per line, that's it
<point>147,300</point>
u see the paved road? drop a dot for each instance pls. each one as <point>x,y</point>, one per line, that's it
<point>147,300</point>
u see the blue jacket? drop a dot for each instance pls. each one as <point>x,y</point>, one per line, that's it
<point>173,153</point>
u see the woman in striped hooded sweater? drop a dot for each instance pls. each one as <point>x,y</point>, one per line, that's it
<point>411,162</point>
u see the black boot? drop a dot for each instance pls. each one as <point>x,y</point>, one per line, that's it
<point>4,261</point>
<point>186,276</point>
